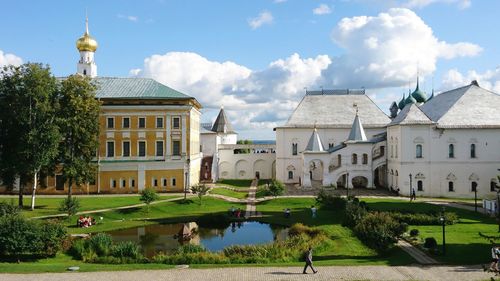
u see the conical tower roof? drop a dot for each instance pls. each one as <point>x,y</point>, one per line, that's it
<point>357,132</point>
<point>401,103</point>
<point>315,144</point>
<point>419,95</point>
<point>222,124</point>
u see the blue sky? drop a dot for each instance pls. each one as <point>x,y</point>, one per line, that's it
<point>256,57</point>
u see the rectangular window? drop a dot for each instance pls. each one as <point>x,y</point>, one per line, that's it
<point>294,149</point>
<point>473,186</point>
<point>164,182</point>
<point>176,148</point>
<point>110,149</point>
<point>126,122</point>
<point>176,122</point>
<point>113,183</point>
<point>420,186</point>
<point>159,148</point>
<point>59,182</point>
<point>142,122</point>
<point>142,148</point>
<point>111,122</point>
<point>126,149</point>
<point>159,122</point>
<point>174,182</point>
<point>450,186</point>
<point>290,175</point>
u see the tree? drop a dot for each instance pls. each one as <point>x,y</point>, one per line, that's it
<point>243,150</point>
<point>200,190</point>
<point>149,195</point>
<point>79,126</point>
<point>69,205</point>
<point>29,135</point>
<point>276,188</point>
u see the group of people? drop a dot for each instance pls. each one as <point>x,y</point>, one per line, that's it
<point>233,212</point>
<point>85,221</point>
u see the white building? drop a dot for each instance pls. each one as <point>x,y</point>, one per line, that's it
<point>448,145</point>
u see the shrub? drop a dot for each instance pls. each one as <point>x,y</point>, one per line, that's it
<point>190,248</point>
<point>430,243</point>
<point>192,258</point>
<point>78,249</point>
<point>298,229</point>
<point>276,188</point>
<point>200,190</point>
<point>70,205</point>
<point>424,219</point>
<point>124,250</point>
<point>8,209</point>
<point>53,234</point>
<point>329,201</point>
<point>414,232</point>
<point>354,212</point>
<point>148,195</point>
<point>100,244</point>
<point>379,230</point>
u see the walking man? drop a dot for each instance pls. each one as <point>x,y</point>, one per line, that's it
<point>313,211</point>
<point>309,257</point>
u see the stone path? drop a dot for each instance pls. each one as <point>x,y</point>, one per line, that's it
<point>416,253</point>
<point>431,273</point>
<point>251,210</point>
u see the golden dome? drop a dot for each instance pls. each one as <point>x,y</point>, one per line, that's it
<point>86,42</point>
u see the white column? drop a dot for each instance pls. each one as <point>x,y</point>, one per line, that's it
<point>168,138</point>
<point>184,132</point>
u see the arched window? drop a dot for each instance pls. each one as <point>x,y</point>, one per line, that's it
<point>451,151</point>
<point>294,149</point>
<point>354,159</point>
<point>473,186</point>
<point>290,175</point>
<point>84,72</point>
<point>339,158</point>
<point>473,150</point>
<point>450,186</point>
<point>418,151</point>
<point>420,185</point>
<point>365,159</point>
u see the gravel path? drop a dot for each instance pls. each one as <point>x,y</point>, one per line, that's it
<point>438,273</point>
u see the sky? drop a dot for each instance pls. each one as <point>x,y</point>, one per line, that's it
<point>256,58</point>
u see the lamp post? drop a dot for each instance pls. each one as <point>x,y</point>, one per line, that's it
<point>410,188</point>
<point>474,185</point>
<point>443,222</point>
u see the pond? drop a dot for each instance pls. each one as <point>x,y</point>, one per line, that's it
<point>168,237</point>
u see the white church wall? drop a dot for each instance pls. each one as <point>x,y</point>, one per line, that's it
<point>245,166</point>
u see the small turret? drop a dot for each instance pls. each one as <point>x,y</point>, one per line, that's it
<point>394,110</point>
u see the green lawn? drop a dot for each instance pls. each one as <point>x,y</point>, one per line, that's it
<point>229,193</point>
<point>166,212</point>
<point>463,243</point>
<point>49,205</point>
<point>342,248</point>
<point>236,183</point>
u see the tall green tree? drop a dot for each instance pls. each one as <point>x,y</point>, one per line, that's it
<point>79,124</point>
<point>29,135</point>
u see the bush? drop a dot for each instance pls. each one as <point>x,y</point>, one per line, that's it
<point>424,219</point>
<point>70,205</point>
<point>126,250</point>
<point>329,201</point>
<point>100,244</point>
<point>354,212</point>
<point>298,229</point>
<point>148,195</point>
<point>20,236</point>
<point>190,248</point>
<point>379,230</point>
<point>276,188</point>
<point>8,209</point>
<point>200,190</point>
<point>414,232</point>
<point>430,243</point>
<point>192,258</point>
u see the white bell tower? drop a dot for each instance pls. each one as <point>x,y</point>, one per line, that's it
<point>87,46</point>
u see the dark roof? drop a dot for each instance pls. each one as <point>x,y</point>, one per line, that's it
<point>134,88</point>
<point>222,124</point>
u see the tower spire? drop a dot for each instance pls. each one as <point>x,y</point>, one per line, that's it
<point>86,22</point>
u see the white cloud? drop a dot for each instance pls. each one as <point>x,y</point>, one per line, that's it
<point>385,50</point>
<point>254,99</point>
<point>7,59</point>
<point>264,17</point>
<point>129,17</point>
<point>322,9</point>
<point>462,4</point>
<point>490,79</point>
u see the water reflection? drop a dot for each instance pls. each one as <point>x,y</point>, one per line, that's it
<point>168,237</point>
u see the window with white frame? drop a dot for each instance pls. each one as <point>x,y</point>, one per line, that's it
<point>159,122</point>
<point>142,122</point>
<point>126,122</point>
<point>418,151</point>
<point>159,148</point>
<point>142,148</point>
<point>174,182</point>
<point>126,149</point>
<point>176,122</point>
<point>110,149</point>
<point>110,122</point>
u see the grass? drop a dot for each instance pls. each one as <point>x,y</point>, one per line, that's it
<point>236,183</point>
<point>343,248</point>
<point>49,205</point>
<point>229,193</point>
<point>165,212</point>
<point>463,243</point>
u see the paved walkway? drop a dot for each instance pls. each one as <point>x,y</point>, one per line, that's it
<point>416,253</point>
<point>434,273</point>
<point>251,210</point>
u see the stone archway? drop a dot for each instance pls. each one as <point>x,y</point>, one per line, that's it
<point>380,176</point>
<point>316,170</point>
<point>359,182</point>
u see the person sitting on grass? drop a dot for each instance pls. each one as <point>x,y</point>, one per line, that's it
<point>287,212</point>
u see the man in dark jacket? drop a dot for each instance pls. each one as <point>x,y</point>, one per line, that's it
<point>309,262</point>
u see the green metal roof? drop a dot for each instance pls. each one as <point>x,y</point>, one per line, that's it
<point>134,88</point>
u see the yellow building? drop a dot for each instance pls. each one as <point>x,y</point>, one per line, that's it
<point>149,134</point>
